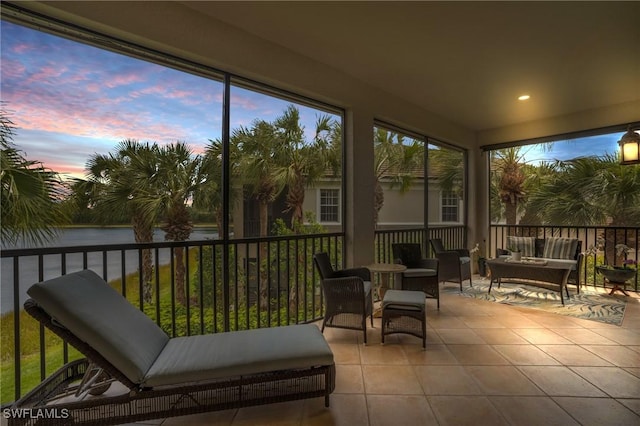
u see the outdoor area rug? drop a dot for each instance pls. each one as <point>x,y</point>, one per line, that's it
<point>589,304</point>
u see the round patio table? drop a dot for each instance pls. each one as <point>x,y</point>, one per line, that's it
<point>384,270</point>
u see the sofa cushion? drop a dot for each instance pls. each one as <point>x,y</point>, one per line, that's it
<point>96,313</point>
<point>419,272</point>
<point>212,356</point>
<point>526,245</point>
<point>563,263</point>
<point>560,248</point>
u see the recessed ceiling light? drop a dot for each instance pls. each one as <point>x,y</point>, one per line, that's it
<point>523,97</point>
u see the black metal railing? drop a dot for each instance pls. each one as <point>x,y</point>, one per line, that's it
<point>187,288</point>
<point>452,237</point>
<point>227,285</point>
<point>590,236</point>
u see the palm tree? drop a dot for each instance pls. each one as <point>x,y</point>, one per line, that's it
<point>328,138</point>
<point>166,193</point>
<point>394,161</point>
<point>537,177</point>
<point>114,185</point>
<point>31,194</point>
<point>448,166</point>
<point>208,195</point>
<point>258,145</point>
<point>509,180</point>
<point>589,191</point>
<point>259,165</point>
<point>300,163</point>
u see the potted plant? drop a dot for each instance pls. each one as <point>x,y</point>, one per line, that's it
<point>477,254</point>
<point>516,255</point>
<point>616,275</point>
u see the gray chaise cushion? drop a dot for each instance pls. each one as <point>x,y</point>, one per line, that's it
<point>197,358</point>
<point>99,315</point>
<point>88,307</point>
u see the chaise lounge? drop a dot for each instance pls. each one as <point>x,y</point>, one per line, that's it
<point>165,376</point>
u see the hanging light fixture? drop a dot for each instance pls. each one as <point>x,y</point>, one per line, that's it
<point>630,147</point>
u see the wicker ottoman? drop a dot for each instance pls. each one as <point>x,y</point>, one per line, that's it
<point>403,311</point>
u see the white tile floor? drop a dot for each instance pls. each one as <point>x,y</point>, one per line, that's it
<point>485,364</point>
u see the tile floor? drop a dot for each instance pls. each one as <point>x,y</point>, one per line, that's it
<point>485,364</point>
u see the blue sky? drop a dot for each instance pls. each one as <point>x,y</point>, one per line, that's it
<point>70,101</point>
<point>565,150</point>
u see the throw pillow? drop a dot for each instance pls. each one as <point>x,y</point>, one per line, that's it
<point>560,248</point>
<point>526,245</point>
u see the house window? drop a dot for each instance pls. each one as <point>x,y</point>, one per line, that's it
<point>330,205</point>
<point>449,207</point>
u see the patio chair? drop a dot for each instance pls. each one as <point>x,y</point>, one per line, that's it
<point>165,376</point>
<point>421,273</point>
<point>347,294</point>
<point>454,265</point>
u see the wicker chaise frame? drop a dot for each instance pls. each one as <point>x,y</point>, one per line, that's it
<point>168,401</point>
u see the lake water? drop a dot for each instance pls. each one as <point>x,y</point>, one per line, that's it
<point>28,267</point>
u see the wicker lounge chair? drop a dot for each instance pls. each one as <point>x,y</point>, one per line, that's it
<point>166,376</point>
<point>455,264</point>
<point>421,273</point>
<point>347,293</point>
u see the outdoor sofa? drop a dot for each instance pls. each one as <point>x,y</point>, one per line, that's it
<point>553,250</point>
<point>165,376</point>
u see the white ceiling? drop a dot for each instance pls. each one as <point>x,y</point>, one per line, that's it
<point>465,61</point>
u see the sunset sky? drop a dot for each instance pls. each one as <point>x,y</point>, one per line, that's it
<point>70,101</point>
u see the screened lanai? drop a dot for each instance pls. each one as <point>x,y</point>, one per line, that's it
<point>440,78</point>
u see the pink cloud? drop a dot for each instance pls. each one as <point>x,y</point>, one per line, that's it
<point>66,170</point>
<point>243,102</point>
<point>12,69</point>
<point>22,48</point>
<point>91,122</point>
<point>122,80</point>
<point>93,87</point>
<point>45,74</point>
<point>165,92</point>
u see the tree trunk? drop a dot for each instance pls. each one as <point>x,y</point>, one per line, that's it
<point>144,234</point>
<point>178,228</point>
<point>293,288</point>
<point>263,283</point>
<point>295,201</point>
<point>181,294</point>
<point>378,201</point>
<point>511,213</point>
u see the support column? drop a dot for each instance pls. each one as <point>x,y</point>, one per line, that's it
<point>479,199</point>
<point>360,226</point>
